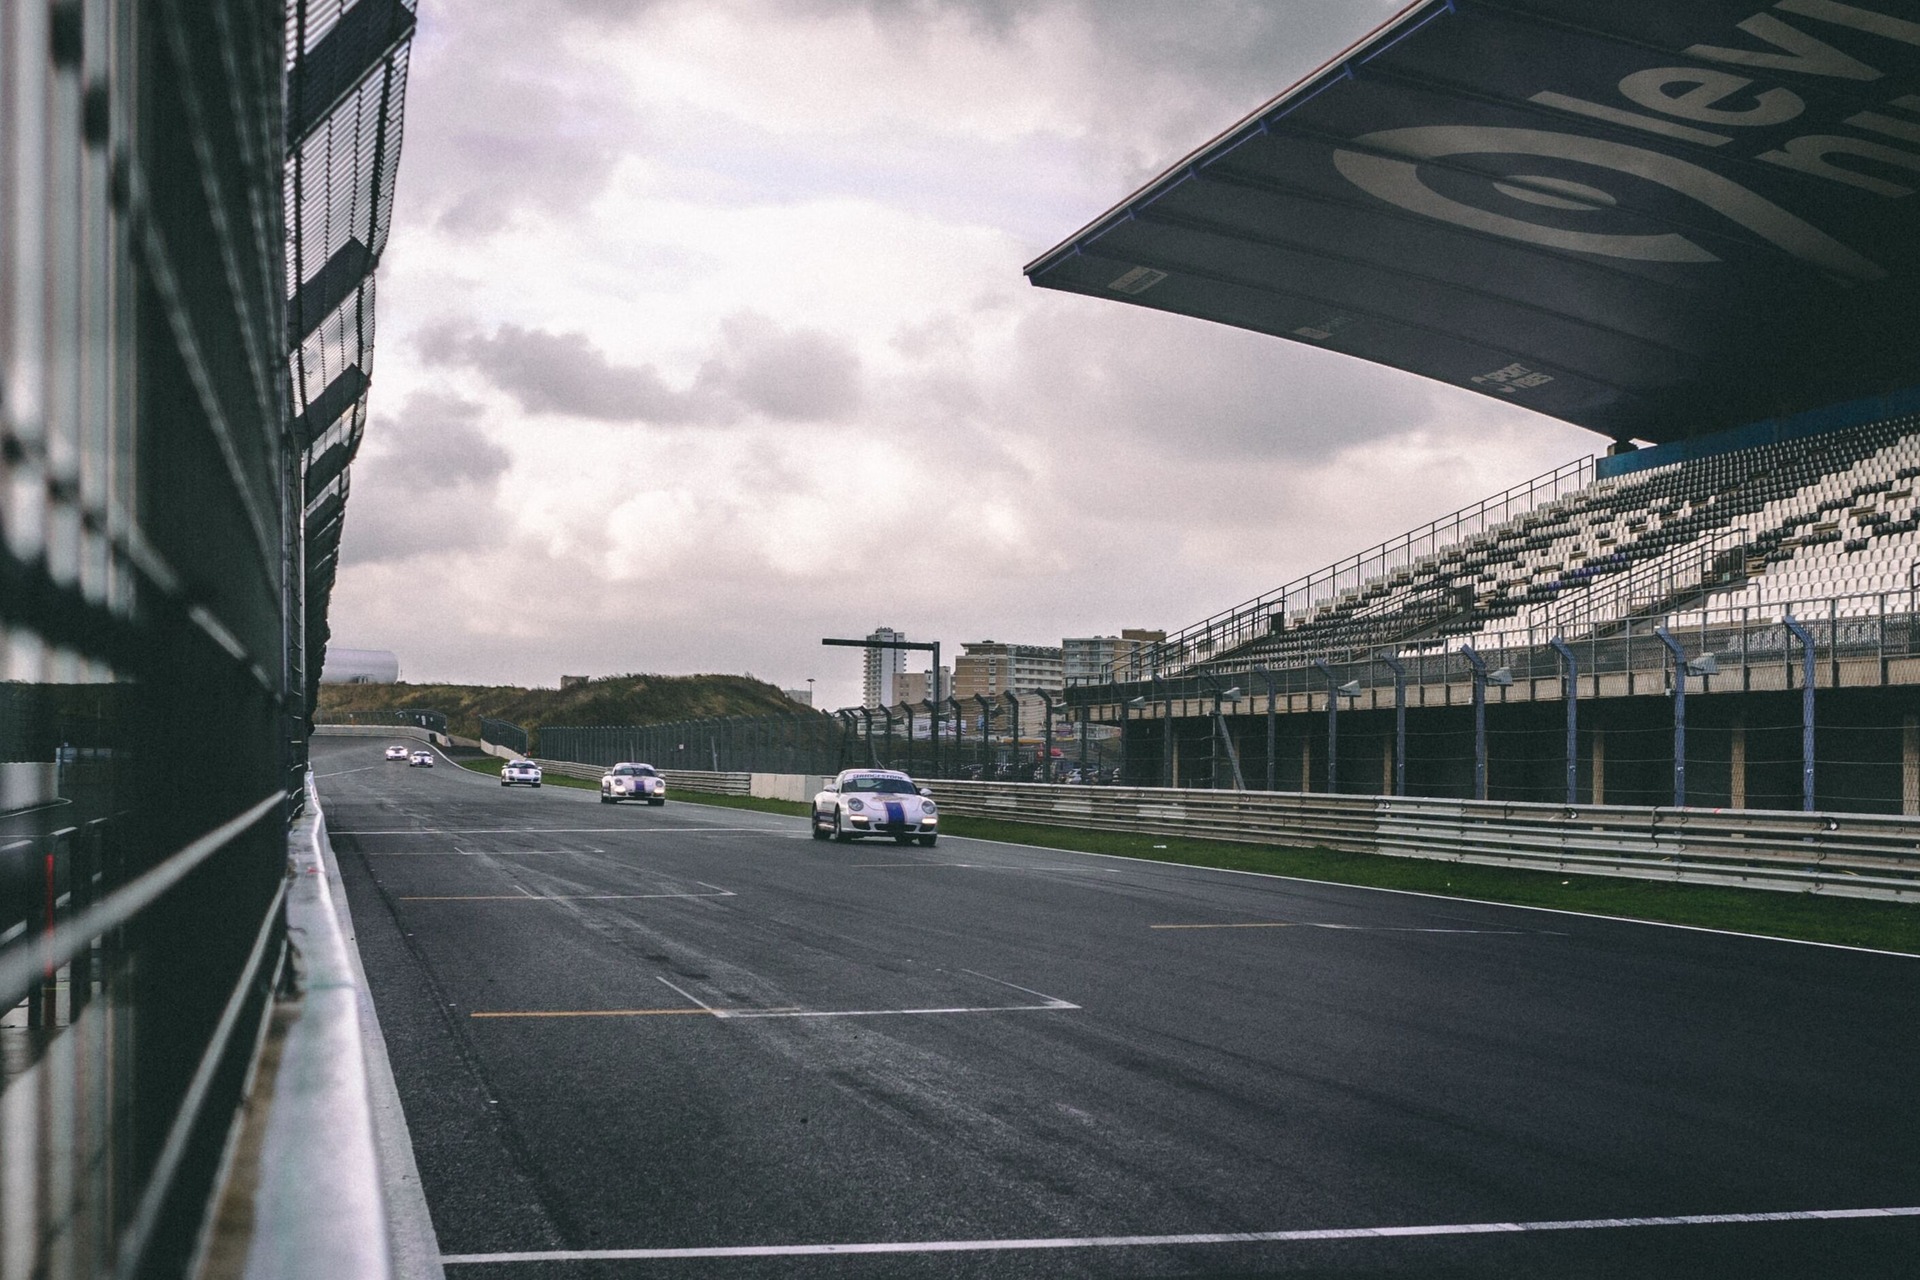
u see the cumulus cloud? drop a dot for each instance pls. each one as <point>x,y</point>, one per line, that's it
<point>749,244</point>
<point>755,367</point>
<point>429,478</point>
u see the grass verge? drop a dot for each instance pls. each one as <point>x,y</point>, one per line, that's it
<point>1854,922</point>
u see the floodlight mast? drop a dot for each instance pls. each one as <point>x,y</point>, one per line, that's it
<point>922,646</point>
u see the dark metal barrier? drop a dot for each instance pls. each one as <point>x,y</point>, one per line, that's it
<point>167,533</point>
<point>504,733</point>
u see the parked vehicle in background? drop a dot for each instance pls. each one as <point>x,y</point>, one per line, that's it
<point>421,760</point>
<point>632,781</point>
<point>396,752</point>
<point>525,771</point>
<point>875,802</point>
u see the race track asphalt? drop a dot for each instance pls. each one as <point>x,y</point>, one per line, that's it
<point>620,1029</point>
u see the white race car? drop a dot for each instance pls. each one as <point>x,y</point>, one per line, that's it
<point>420,760</point>
<point>875,802</point>
<point>396,752</point>
<point>520,771</point>
<point>628,781</point>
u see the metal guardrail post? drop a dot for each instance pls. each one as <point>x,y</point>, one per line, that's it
<point>1479,666</point>
<point>1805,638</point>
<point>1399,721</point>
<point>1679,715</point>
<point>1570,691</point>
<point>1046,736</point>
<point>1013,729</point>
<point>1333,724</point>
<point>1273,690</point>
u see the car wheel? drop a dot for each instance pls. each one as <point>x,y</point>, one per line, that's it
<point>842,836</point>
<point>605,798</point>
<point>926,842</point>
<point>813,825</point>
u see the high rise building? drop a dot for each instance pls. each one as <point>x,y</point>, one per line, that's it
<point>883,668</point>
<point>920,686</point>
<point>1087,659</point>
<point>993,669</point>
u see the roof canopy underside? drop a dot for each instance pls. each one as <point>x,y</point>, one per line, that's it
<point>1652,218</point>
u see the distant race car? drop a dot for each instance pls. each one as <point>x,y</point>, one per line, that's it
<point>396,752</point>
<point>629,781</point>
<point>875,802</point>
<point>520,771</point>
<point>421,760</point>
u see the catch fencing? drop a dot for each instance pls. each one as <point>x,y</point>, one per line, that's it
<point>806,742</point>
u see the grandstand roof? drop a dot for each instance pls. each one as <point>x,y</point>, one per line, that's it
<point>1652,218</point>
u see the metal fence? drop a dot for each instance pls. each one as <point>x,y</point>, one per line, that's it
<point>410,717</point>
<point>1015,736</point>
<point>1846,855</point>
<point>506,734</point>
<point>165,548</point>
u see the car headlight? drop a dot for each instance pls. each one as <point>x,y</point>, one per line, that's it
<point>926,806</point>
<point>855,805</point>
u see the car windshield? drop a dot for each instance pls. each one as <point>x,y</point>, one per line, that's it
<point>881,784</point>
<point>634,771</point>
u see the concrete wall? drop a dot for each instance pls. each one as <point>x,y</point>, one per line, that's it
<point>786,786</point>
<point>26,783</point>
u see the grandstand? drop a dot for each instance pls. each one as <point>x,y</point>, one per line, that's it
<point>1826,518</point>
<point>1520,199</point>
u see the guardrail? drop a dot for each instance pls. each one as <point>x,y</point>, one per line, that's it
<point>1840,854</point>
<point>1848,855</point>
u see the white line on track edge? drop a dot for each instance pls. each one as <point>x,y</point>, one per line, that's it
<point>1226,1237</point>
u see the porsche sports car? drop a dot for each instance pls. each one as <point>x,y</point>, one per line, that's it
<point>875,802</point>
<point>396,752</point>
<point>629,781</point>
<point>420,760</point>
<point>520,771</point>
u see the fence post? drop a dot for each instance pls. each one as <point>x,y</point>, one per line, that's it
<point>1570,693</point>
<point>1805,638</point>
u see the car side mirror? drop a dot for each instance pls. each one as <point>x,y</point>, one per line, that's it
<point>926,791</point>
<point>832,787</point>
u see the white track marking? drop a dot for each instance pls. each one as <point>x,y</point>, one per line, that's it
<point>525,896</point>
<point>51,804</point>
<point>1177,1241</point>
<point>341,772</point>
<point>553,831</point>
<point>1440,897</point>
<point>1052,1003</point>
<point>1359,928</point>
<point>689,996</point>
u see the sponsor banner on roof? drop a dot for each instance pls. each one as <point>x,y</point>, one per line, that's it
<point>1654,218</point>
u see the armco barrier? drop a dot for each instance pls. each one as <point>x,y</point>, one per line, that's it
<point>1851,855</point>
<point>704,781</point>
<point>1845,855</point>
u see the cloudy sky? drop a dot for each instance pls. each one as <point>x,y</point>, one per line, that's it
<point>703,336</point>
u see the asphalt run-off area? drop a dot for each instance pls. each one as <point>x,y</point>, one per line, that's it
<point>691,1041</point>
